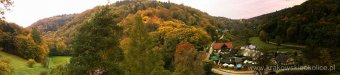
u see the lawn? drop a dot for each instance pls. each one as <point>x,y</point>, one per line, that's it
<point>19,65</point>
<point>261,45</point>
<point>58,60</point>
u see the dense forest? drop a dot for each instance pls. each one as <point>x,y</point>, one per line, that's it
<point>52,23</point>
<point>214,25</point>
<point>315,24</point>
<point>137,37</point>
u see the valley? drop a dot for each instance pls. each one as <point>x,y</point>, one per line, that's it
<point>164,38</point>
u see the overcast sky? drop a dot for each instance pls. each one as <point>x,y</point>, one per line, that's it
<point>25,12</point>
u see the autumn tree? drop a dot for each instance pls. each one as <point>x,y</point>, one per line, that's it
<point>96,45</point>
<point>42,46</point>
<point>187,60</point>
<point>26,47</point>
<point>61,47</point>
<point>170,33</point>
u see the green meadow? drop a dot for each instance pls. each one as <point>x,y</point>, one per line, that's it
<point>19,65</point>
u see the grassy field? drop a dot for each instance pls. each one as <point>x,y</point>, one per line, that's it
<point>19,65</point>
<point>260,45</point>
<point>58,60</point>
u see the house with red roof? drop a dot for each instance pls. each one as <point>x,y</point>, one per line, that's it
<point>222,47</point>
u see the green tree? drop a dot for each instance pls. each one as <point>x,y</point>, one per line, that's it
<point>278,40</point>
<point>141,55</point>
<point>187,60</point>
<point>291,31</point>
<point>42,46</point>
<point>96,45</point>
<point>36,36</point>
<point>264,36</point>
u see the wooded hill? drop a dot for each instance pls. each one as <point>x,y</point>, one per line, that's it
<point>143,33</point>
<point>156,12</point>
<point>315,24</point>
<point>52,23</point>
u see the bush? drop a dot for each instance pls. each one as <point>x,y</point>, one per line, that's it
<point>31,63</point>
<point>44,73</point>
<point>5,69</point>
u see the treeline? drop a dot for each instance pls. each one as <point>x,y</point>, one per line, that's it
<point>315,23</point>
<point>140,38</point>
<point>52,23</point>
<point>238,31</point>
<point>25,43</point>
<point>165,11</point>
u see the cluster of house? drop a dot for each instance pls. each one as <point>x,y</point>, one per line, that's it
<point>283,58</point>
<point>224,55</point>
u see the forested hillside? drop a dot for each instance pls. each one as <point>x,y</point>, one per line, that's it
<point>52,23</point>
<point>215,26</point>
<point>315,24</point>
<point>148,37</point>
<point>164,11</point>
<point>137,37</point>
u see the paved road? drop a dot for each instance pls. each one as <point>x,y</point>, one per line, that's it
<point>289,45</point>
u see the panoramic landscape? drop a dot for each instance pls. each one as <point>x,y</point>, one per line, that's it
<point>170,37</point>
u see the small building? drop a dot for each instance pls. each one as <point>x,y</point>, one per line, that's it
<point>222,47</point>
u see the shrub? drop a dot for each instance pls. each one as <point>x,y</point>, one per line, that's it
<point>44,73</point>
<point>31,63</point>
<point>5,69</point>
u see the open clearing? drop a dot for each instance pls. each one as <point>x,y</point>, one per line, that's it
<point>19,65</point>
